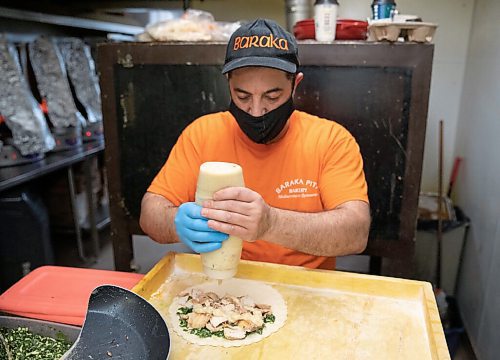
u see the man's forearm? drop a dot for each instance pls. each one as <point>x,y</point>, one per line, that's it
<point>330,233</point>
<point>157,218</point>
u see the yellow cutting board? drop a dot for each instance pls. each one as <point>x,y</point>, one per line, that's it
<point>331,314</point>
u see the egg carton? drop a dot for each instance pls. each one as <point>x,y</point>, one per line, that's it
<point>415,31</point>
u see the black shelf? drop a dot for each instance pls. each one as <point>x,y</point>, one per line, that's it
<point>69,21</point>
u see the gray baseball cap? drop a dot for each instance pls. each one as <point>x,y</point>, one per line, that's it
<point>262,43</point>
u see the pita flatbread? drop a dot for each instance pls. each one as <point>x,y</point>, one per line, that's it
<point>259,292</point>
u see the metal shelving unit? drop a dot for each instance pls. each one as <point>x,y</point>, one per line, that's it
<point>22,26</point>
<point>69,21</point>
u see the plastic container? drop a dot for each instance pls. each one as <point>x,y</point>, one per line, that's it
<point>347,29</point>
<point>54,330</point>
<point>325,19</point>
<point>60,294</point>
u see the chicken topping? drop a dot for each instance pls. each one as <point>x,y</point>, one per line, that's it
<point>234,333</point>
<point>198,321</point>
<point>231,317</point>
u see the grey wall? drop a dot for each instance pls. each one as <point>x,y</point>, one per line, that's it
<point>478,189</point>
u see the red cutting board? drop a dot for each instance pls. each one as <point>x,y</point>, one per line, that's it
<point>60,294</point>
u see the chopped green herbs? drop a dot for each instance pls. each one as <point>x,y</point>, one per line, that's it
<point>4,351</point>
<point>203,332</point>
<point>24,345</point>
<point>218,333</point>
<point>258,331</point>
<point>62,337</point>
<point>184,310</point>
<point>269,318</point>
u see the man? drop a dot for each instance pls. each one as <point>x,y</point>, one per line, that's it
<point>305,199</point>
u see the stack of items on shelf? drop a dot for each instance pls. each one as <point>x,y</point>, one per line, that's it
<point>387,24</point>
<point>38,112</point>
<point>401,28</point>
<point>346,29</point>
<point>193,25</point>
<point>30,136</point>
<point>83,76</point>
<point>53,87</point>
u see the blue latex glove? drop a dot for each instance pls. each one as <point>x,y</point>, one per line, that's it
<point>193,230</point>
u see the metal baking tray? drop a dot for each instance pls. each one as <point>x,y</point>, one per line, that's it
<point>331,314</point>
<point>41,327</point>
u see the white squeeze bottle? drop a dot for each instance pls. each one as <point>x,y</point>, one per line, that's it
<point>222,263</point>
<point>325,19</point>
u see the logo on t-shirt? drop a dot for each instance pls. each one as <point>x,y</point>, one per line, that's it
<point>297,188</point>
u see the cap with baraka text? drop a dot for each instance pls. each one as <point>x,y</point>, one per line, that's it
<point>262,43</point>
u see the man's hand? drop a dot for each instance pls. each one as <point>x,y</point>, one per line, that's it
<point>192,229</point>
<point>238,211</point>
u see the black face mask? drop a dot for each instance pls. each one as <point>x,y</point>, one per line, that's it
<point>263,129</point>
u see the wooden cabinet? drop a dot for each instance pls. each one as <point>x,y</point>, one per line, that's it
<point>378,91</point>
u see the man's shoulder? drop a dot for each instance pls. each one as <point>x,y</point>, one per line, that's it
<point>321,127</point>
<point>211,118</point>
<point>209,122</point>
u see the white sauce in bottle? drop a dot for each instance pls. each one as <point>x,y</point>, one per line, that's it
<point>325,20</point>
<point>222,263</point>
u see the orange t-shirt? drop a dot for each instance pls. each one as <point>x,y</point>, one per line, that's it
<point>316,166</point>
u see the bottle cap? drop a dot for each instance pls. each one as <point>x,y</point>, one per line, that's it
<point>323,2</point>
<point>384,2</point>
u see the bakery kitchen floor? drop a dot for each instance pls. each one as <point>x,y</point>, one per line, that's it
<point>148,253</point>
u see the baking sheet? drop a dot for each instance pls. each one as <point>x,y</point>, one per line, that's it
<point>334,315</point>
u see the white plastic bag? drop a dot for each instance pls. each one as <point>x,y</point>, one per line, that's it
<point>194,25</point>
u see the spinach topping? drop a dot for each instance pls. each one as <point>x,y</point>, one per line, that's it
<point>258,331</point>
<point>218,333</point>
<point>203,332</point>
<point>21,344</point>
<point>269,318</point>
<point>184,310</point>
<point>183,323</point>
